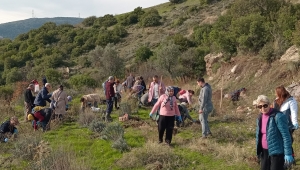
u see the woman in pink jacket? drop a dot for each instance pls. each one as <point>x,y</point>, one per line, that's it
<point>168,111</point>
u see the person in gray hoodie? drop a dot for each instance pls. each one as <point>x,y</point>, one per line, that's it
<point>205,104</point>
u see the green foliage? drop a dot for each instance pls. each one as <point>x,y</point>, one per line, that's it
<point>142,54</point>
<point>167,56</point>
<point>13,76</point>
<point>82,80</point>
<point>105,21</point>
<point>150,19</point>
<point>89,21</point>
<point>132,17</point>
<point>53,76</point>
<point>201,34</point>
<point>215,67</point>
<point>113,132</point>
<point>182,42</point>
<point>97,126</point>
<point>176,1</point>
<point>6,92</point>
<point>267,53</point>
<point>179,21</point>
<point>120,145</point>
<point>192,62</point>
<point>107,60</point>
<point>119,31</point>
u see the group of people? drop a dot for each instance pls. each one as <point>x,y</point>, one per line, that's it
<point>275,124</point>
<point>36,110</point>
<point>275,127</point>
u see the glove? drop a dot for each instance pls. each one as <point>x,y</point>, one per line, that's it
<point>179,119</point>
<point>296,126</point>
<point>16,131</point>
<point>288,158</point>
<point>6,140</point>
<point>150,115</point>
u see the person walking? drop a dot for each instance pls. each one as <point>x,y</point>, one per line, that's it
<point>43,96</point>
<point>110,94</point>
<point>60,98</point>
<point>273,140</point>
<point>168,111</point>
<point>28,100</point>
<point>206,106</point>
<point>288,105</point>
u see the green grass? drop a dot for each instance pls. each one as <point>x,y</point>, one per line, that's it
<point>94,152</point>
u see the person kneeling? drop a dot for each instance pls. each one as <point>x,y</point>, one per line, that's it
<point>8,129</point>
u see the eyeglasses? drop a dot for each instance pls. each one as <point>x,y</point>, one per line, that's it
<point>263,106</point>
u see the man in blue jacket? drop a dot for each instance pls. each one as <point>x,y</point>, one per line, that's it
<point>43,96</point>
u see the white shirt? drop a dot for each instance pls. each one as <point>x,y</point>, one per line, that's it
<point>155,91</point>
<point>293,106</point>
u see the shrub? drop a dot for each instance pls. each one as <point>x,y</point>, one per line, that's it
<point>106,21</point>
<point>267,53</point>
<point>53,76</point>
<point>85,119</point>
<point>120,31</point>
<point>59,159</point>
<point>120,145</point>
<point>30,147</point>
<point>82,80</point>
<point>97,126</point>
<point>13,76</point>
<point>150,154</point>
<point>142,54</point>
<point>176,1</point>
<point>182,42</point>
<point>150,18</point>
<point>113,132</point>
<point>215,67</point>
<point>6,92</point>
<point>89,21</point>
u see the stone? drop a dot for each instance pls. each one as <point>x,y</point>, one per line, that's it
<point>210,59</point>
<point>258,73</point>
<point>233,70</point>
<point>291,55</point>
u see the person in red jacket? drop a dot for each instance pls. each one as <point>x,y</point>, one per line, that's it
<point>110,94</point>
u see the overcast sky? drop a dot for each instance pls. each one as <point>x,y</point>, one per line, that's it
<point>13,10</point>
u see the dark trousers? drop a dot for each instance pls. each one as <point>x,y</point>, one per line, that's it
<point>166,123</point>
<point>109,105</point>
<point>275,162</point>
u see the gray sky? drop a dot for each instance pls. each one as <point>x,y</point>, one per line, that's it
<point>13,10</point>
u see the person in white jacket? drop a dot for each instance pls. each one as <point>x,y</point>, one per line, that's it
<point>118,91</point>
<point>288,105</point>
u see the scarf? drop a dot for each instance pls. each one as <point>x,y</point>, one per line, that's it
<point>169,98</point>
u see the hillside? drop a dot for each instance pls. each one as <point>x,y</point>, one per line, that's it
<point>12,29</point>
<point>232,43</point>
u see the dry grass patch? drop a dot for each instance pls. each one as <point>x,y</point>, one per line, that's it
<point>151,156</point>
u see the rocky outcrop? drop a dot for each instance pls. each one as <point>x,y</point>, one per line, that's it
<point>294,90</point>
<point>291,55</point>
<point>210,59</point>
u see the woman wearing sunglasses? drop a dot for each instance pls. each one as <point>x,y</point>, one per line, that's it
<point>273,140</point>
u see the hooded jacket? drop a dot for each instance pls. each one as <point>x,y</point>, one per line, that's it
<point>42,97</point>
<point>278,135</point>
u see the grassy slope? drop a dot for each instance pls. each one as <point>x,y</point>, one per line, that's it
<point>98,154</point>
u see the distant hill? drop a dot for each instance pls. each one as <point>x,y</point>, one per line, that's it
<point>13,29</point>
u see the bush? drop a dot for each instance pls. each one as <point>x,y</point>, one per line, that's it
<point>59,159</point>
<point>267,53</point>
<point>13,76</point>
<point>120,31</point>
<point>106,21</point>
<point>142,54</point>
<point>85,119</point>
<point>150,154</point>
<point>176,1</point>
<point>97,126</point>
<point>120,145</point>
<point>113,132</point>
<point>150,18</point>
<point>89,21</point>
<point>30,147</point>
<point>79,81</point>
<point>53,76</point>
<point>6,92</point>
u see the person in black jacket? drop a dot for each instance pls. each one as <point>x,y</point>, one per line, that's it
<point>8,128</point>
<point>143,84</point>
<point>28,100</point>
